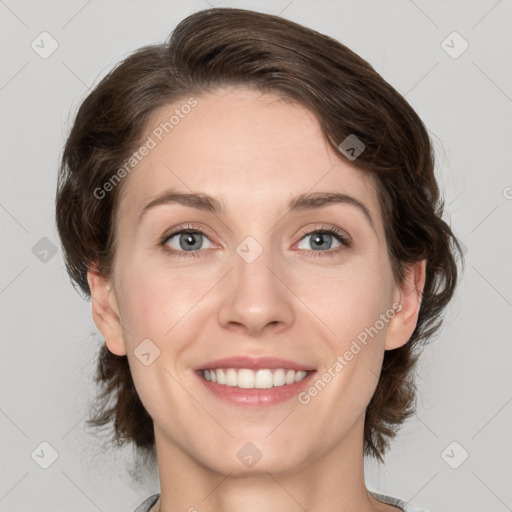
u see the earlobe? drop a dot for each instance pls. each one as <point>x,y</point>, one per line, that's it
<point>105,312</point>
<point>409,295</point>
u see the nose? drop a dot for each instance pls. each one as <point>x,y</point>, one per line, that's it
<point>255,296</point>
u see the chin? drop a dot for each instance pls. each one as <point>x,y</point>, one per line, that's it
<point>249,460</point>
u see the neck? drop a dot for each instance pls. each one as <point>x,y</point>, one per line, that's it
<point>330,481</point>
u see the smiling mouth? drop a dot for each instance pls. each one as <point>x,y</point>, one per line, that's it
<point>245,378</point>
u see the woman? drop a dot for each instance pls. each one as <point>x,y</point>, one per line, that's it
<point>254,213</point>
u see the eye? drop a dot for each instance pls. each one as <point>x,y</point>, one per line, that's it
<point>186,240</point>
<point>322,239</point>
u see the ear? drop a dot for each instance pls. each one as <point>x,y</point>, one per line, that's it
<point>106,313</point>
<point>408,294</point>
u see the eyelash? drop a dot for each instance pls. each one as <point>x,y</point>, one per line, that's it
<point>329,230</point>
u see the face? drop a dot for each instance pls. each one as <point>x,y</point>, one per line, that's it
<point>280,286</point>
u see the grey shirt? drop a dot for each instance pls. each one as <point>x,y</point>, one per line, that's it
<point>146,505</point>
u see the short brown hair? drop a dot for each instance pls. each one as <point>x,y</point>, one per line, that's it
<point>223,47</point>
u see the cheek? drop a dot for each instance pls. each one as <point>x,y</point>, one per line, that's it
<point>352,301</point>
<point>157,304</point>
<point>354,304</point>
<point>156,299</point>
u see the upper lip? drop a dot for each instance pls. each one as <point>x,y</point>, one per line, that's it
<point>254,363</point>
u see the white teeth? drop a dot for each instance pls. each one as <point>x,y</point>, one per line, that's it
<point>245,379</point>
<point>221,377</point>
<point>249,379</point>
<point>279,378</point>
<point>231,379</point>
<point>264,379</point>
<point>299,375</point>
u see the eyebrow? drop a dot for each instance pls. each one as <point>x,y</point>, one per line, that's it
<point>205,202</point>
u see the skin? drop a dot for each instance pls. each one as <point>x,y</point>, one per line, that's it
<point>253,152</point>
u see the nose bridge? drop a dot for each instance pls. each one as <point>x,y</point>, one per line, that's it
<point>256,297</point>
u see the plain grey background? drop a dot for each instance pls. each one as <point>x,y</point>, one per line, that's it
<point>48,338</point>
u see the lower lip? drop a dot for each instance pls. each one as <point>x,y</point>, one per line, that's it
<point>256,397</point>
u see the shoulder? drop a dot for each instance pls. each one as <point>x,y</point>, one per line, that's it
<point>396,502</point>
<point>146,505</point>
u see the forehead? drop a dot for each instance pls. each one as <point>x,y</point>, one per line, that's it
<point>252,151</point>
